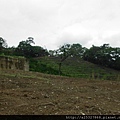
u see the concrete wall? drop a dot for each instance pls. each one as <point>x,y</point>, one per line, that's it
<point>14,63</point>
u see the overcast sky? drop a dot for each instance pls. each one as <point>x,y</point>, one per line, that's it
<point>56,22</point>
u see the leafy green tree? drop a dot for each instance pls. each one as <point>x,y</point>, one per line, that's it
<point>9,51</point>
<point>103,55</point>
<point>52,53</point>
<point>77,50</point>
<point>68,50</point>
<point>3,45</point>
<point>26,49</point>
<point>37,51</point>
<point>63,53</point>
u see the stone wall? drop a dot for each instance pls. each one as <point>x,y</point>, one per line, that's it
<point>14,63</point>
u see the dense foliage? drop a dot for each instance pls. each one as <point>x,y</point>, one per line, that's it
<point>104,55</point>
<point>24,49</point>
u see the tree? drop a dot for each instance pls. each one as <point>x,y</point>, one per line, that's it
<point>52,53</point>
<point>24,47</point>
<point>63,53</point>
<point>67,50</point>
<point>30,40</point>
<point>37,51</point>
<point>3,44</point>
<point>77,50</point>
<point>103,55</point>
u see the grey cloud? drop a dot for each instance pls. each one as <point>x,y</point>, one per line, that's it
<point>66,38</point>
<point>113,40</point>
<point>55,22</point>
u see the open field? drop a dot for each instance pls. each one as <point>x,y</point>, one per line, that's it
<point>28,93</point>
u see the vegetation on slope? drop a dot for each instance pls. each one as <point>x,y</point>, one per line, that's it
<point>73,67</point>
<point>69,60</point>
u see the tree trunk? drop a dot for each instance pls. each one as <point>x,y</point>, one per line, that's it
<point>60,68</point>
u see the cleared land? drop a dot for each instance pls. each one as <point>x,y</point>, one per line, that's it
<point>28,93</point>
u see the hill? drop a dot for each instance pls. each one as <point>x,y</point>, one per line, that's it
<point>73,67</point>
<point>33,93</point>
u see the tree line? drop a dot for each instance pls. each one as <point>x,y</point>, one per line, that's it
<point>25,48</point>
<point>104,55</point>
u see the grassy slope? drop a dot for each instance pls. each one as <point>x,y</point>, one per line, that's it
<point>74,67</point>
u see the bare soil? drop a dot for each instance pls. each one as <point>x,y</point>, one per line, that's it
<point>30,93</point>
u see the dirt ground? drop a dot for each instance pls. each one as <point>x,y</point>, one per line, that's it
<point>29,93</point>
